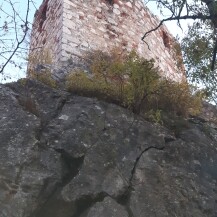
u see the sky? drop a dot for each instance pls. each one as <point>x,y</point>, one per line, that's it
<point>171,25</point>
<point>12,73</point>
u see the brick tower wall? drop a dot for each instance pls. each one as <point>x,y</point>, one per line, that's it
<point>47,29</point>
<point>74,26</point>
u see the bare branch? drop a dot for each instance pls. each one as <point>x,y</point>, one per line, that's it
<point>19,42</point>
<point>194,17</point>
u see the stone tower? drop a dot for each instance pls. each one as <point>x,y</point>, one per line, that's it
<point>68,27</point>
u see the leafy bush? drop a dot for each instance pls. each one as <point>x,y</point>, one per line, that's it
<point>46,78</point>
<point>125,79</point>
<point>154,116</point>
<point>178,98</point>
<point>133,82</point>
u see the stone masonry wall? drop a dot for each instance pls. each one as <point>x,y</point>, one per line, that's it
<point>73,26</point>
<point>47,30</point>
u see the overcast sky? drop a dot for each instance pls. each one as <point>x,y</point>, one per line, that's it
<point>15,73</point>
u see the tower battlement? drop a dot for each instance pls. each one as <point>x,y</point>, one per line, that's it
<point>68,27</point>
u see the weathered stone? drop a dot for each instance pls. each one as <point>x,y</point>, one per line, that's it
<point>107,208</point>
<point>70,156</point>
<point>24,169</point>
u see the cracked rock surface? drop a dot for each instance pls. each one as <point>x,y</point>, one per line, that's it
<point>63,155</point>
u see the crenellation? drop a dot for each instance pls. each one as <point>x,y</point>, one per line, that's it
<point>68,28</point>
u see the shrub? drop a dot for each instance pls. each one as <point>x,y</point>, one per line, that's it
<point>125,79</point>
<point>46,78</point>
<point>178,98</point>
<point>133,82</point>
<point>154,116</point>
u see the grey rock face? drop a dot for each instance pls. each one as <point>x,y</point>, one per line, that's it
<point>71,156</point>
<point>107,208</point>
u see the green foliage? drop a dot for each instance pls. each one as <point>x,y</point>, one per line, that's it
<point>179,98</point>
<point>125,79</point>
<point>198,48</point>
<point>143,81</point>
<point>154,116</point>
<point>46,78</point>
<point>133,82</point>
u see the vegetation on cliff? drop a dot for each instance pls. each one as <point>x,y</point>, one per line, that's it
<point>133,82</point>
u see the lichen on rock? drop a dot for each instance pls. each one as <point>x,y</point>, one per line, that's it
<point>74,156</point>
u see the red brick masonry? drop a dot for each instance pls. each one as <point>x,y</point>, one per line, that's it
<point>68,27</point>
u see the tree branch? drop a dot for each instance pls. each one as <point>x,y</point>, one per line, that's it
<point>194,17</point>
<point>19,42</point>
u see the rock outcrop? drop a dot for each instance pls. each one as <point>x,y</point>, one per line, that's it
<point>63,155</point>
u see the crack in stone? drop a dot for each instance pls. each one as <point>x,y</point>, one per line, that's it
<point>168,139</point>
<point>28,103</point>
<point>124,198</point>
<point>44,123</point>
<point>25,97</point>
<point>86,202</point>
<point>72,166</point>
<point>138,158</point>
